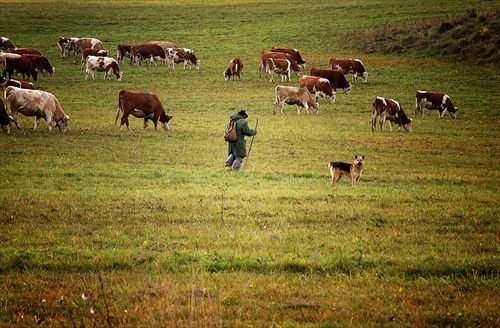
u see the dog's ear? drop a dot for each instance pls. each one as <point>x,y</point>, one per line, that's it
<point>363,156</point>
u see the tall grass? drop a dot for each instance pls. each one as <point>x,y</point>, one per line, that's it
<point>156,232</point>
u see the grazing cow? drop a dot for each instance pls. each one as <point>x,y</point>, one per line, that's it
<point>36,103</point>
<point>78,44</point>
<point>93,52</point>
<point>319,86</point>
<point>264,55</point>
<point>5,122</point>
<point>63,45</point>
<point>107,65</point>
<point>122,51</point>
<point>389,109</point>
<point>292,52</point>
<point>15,83</point>
<point>350,66</point>
<point>24,51</point>
<point>142,105</point>
<point>234,69</point>
<point>294,96</point>
<point>336,78</point>
<point>139,52</point>
<point>432,100</point>
<point>40,63</point>
<point>164,44</point>
<point>21,65</point>
<point>182,55</point>
<point>282,67</point>
<point>5,43</point>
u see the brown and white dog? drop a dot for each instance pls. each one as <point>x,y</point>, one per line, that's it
<point>353,171</point>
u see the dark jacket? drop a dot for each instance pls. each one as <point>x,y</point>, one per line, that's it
<point>239,147</point>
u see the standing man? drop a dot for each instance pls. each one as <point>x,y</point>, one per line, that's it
<point>237,150</point>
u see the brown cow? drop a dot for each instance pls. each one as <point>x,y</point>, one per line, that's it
<point>264,55</point>
<point>234,69</point>
<point>5,43</point>
<point>40,63</point>
<point>78,44</point>
<point>164,44</point>
<point>35,103</point>
<point>432,100</point>
<point>336,78</point>
<point>182,55</point>
<point>93,52</point>
<point>142,105</point>
<point>24,51</point>
<point>15,83</point>
<point>292,52</point>
<point>294,96</point>
<point>350,66</point>
<point>139,52</point>
<point>122,51</point>
<point>21,65</point>
<point>5,55</point>
<point>5,122</point>
<point>389,109</point>
<point>319,86</point>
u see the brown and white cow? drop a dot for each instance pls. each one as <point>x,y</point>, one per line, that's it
<point>24,51</point>
<point>107,65</point>
<point>336,78</point>
<point>164,44</point>
<point>78,44</point>
<point>292,52</point>
<point>265,55</point>
<point>282,67</point>
<point>294,96</point>
<point>5,55</point>
<point>41,63</point>
<point>319,86</point>
<point>15,83</point>
<point>122,51</point>
<point>391,110</point>
<point>142,105</point>
<point>139,52</point>
<point>63,44</point>
<point>350,66</point>
<point>432,100</point>
<point>234,69</point>
<point>5,43</point>
<point>93,52</point>
<point>182,55</point>
<point>5,122</point>
<point>36,103</point>
<point>20,65</point>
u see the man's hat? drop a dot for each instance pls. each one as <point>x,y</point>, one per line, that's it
<point>243,113</point>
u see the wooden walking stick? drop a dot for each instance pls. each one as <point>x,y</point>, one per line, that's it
<point>251,143</point>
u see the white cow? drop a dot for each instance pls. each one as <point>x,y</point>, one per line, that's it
<point>102,64</point>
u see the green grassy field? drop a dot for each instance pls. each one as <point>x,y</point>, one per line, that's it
<point>152,227</point>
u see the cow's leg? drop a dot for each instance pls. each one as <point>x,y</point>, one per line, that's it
<point>382,121</point>
<point>144,127</point>
<point>374,121</point>
<point>124,121</point>
<point>37,120</point>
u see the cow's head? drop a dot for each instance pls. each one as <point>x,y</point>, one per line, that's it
<point>348,89</point>
<point>165,121</point>
<point>6,128</point>
<point>407,126</point>
<point>63,123</point>
<point>227,75</point>
<point>197,64</point>
<point>364,77</point>
<point>331,98</point>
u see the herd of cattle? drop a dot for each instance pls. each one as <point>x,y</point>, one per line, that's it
<point>21,96</point>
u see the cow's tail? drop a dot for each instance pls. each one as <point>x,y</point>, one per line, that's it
<point>120,100</point>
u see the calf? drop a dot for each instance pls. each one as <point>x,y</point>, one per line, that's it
<point>336,78</point>
<point>234,69</point>
<point>35,103</point>
<point>5,122</point>
<point>389,109</point>
<point>182,55</point>
<point>432,100</point>
<point>350,66</point>
<point>319,86</point>
<point>107,65</point>
<point>292,52</point>
<point>282,67</point>
<point>62,45</point>
<point>294,96</point>
<point>142,105</point>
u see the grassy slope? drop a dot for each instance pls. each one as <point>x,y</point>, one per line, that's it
<point>155,214</point>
